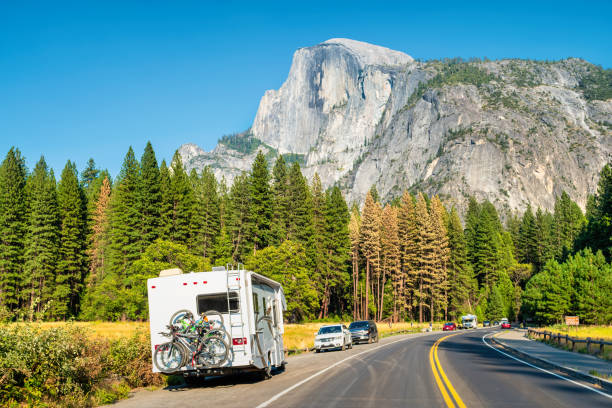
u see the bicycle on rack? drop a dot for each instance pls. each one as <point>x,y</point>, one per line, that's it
<point>192,341</point>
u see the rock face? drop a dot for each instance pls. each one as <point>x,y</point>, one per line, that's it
<point>511,131</point>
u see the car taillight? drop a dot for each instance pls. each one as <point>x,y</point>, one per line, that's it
<point>239,341</point>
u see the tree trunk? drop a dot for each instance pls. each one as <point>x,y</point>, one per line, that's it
<point>366,311</point>
<point>420,300</point>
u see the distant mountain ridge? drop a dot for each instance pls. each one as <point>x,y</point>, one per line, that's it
<point>511,131</point>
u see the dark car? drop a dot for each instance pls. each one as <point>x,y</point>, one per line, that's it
<point>364,331</point>
<point>450,326</point>
<point>505,325</point>
<point>496,323</point>
<point>486,323</point>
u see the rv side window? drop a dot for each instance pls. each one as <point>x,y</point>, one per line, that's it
<point>265,308</point>
<point>274,316</point>
<point>218,302</point>
<point>255,303</point>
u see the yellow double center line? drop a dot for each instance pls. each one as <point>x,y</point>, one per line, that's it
<point>441,378</point>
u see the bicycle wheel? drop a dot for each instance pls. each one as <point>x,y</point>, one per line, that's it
<point>225,336</point>
<point>215,319</point>
<point>214,352</point>
<point>181,318</point>
<point>169,357</point>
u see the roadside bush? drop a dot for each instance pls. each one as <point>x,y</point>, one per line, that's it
<point>130,357</point>
<point>63,366</point>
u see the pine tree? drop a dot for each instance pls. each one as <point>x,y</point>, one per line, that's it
<point>280,196</point>
<point>72,261</point>
<point>166,202</point>
<point>182,202</point>
<point>590,281</point>
<point>90,173</point>
<point>486,250</point>
<point>300,228</point>
<point>459,270</point>
<point>337,247</point>
<point>598,233</point>
<point>439,290</point>
<point>99,237</point>
<point>472,218</point>
<point>568,222</point>
<point>239,218</point>
<point>544,239</point>
<point>261,202</point>
<point>354,234</point>
<point>124,217</point>
<point>12,226</point>
<point>374,193</point>
<point>527,245</point>
<point>42,238</point>
<point>409,248</point>
<point>495,305</point>
<point>426,255</point>
<point>391,256</point>
<point>370,245</point>
<point>149,200</point>
<point>320,257</point>
<point>207,214</point>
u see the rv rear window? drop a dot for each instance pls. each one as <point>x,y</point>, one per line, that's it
<point>218,302</point>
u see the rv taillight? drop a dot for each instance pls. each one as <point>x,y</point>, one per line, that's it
<point>205,282</point>
<point>184,283</point>
<point>153,287</point>
<point>239,342</point>
<point>195,283</point>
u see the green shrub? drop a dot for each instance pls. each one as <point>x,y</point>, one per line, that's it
<point>64,366</point>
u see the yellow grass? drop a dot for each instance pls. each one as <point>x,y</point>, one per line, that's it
<point>594,332</point>
<point>582,332</point>
<point>109,330</point>
<point>297,336</point>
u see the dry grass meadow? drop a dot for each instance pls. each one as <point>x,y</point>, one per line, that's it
<point>297,336</point>
<point>582,332</point>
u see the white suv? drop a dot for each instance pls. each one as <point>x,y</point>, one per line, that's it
<point>333,336</point>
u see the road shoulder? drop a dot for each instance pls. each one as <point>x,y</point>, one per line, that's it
<point>576,365</point>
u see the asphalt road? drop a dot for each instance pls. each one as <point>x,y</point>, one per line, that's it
<point>397,372</point>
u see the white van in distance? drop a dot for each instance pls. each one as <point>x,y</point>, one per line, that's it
<point>252,307</point>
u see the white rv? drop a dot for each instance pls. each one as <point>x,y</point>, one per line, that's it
<point>469,321</point>
<point>252,307</point>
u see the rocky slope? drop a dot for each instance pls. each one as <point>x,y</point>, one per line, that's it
<point>511,131</point>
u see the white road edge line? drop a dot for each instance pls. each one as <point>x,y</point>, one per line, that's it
<point>541,369</point>
<point>318,373</point>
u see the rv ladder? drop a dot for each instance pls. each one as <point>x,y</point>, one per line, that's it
<point>233,288</point>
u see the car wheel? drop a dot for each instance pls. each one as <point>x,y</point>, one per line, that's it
<point>317,351</point>
<point>343,347</point>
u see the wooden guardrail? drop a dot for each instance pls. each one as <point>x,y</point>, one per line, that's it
<point>558,338</point>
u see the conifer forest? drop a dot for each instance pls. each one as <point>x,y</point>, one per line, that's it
<point>83,244</point>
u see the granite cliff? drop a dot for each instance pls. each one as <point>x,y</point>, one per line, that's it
<point>511,131</point>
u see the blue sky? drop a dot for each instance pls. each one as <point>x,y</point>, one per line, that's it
<point>89,79</point>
